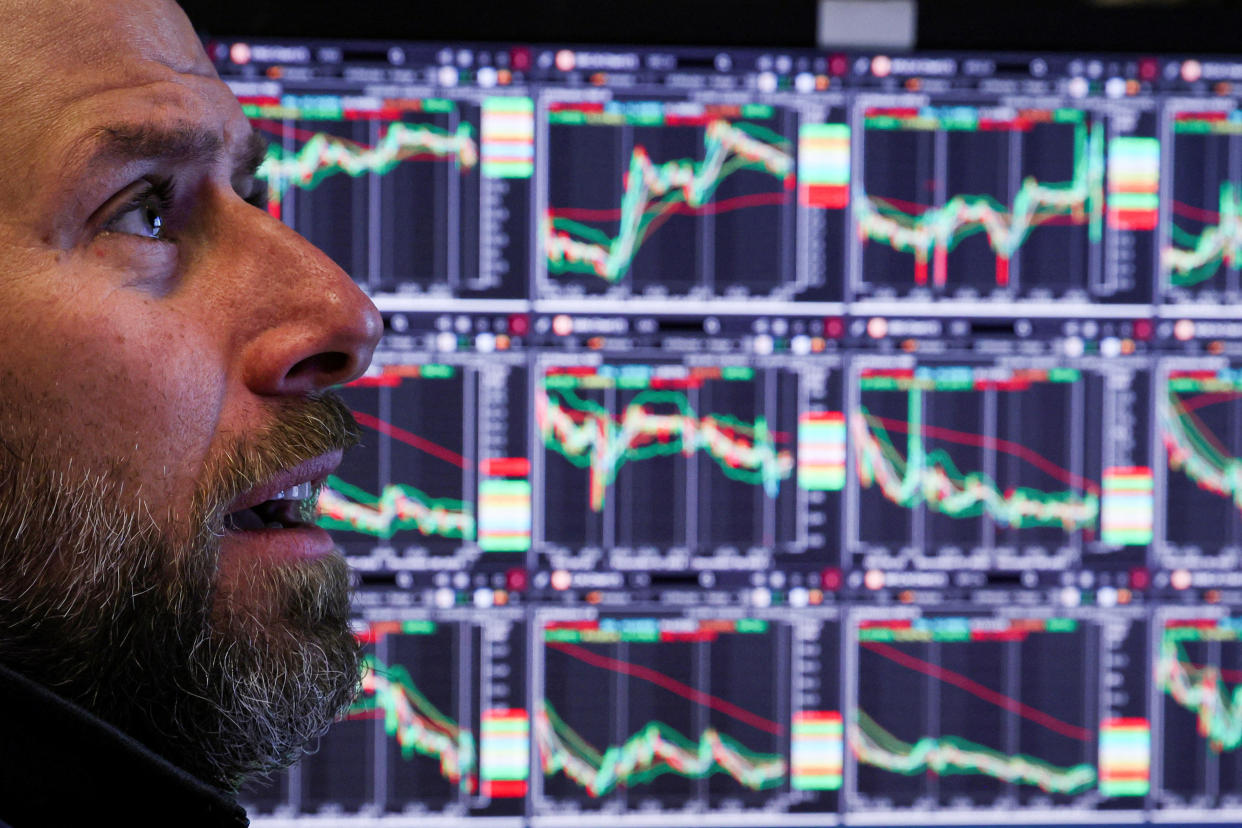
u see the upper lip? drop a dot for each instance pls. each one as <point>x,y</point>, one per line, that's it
<point>314,470</point>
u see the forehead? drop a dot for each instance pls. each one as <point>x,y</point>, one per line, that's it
<point>71,66</point>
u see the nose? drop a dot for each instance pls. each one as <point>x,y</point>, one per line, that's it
<point>311,327</point>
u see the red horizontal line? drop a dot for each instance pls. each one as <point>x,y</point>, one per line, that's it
<point>1197,213</point>
<point>668,683</point>
<point>976,689</point>
<point>680,208</point>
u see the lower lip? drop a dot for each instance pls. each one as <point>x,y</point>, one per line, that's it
<point>299,542</point>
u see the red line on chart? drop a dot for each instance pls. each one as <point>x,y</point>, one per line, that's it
<point>681,208</point>
<point>1231,676</point>
<point>975,688</point>
<point>1201,400</point>
<point>1197,213</point>
<point>303,135</point>
<point>411,439</point>
<point>979,441</point>
<point>668,683</point>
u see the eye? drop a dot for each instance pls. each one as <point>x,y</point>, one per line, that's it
<point>144,214</point>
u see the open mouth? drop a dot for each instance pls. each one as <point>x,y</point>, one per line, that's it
<point>287,501</point>
<point>292,508</point>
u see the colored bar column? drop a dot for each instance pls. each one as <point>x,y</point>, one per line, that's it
<point>824,165</point>
<point>817,750</point>
<point>504,515</point>
<point>1127,510</point>
<point>821,451</point>
<point>504,753</point>
<point>1133,183</point>
<point>508,137</point>
<point>1125,757</point>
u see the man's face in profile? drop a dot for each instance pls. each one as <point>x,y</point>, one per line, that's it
<point>164,349</point>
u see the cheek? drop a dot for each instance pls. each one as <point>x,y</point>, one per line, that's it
<point>129,382</point>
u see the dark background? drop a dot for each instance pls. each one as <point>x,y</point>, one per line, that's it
<point>1198,26</point>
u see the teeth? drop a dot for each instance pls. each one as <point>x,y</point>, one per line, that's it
<point>275,524</point>
<point>298,492</point>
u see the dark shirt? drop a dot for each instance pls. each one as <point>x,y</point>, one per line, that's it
<point>60,765</point>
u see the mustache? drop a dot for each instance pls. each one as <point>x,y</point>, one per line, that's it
<point>302,430</point>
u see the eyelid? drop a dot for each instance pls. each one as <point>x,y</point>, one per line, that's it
<point>133,197</point>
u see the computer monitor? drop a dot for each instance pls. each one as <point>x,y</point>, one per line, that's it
<point>777,437</point>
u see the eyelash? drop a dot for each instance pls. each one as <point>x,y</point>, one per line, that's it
<point>159,189</point>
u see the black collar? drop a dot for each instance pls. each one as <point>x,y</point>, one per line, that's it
<point>60,765</point>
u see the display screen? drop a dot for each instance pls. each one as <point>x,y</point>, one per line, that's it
<point>776,438</point>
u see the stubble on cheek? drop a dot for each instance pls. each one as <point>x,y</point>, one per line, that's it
<point>129,614</point>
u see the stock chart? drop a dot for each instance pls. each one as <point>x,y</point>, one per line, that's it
<point>998,725</point>
<point>434,178</point>
<point>1199,251</point>
<point>958,458</point>
<point>692,200</point>
<point>1197,410</point>
<point>965,200</point>
<point>665,712</point>
<point>774,438</point>
<point>439,479</point>
<point>693,461</point>
<point>1197,676</point>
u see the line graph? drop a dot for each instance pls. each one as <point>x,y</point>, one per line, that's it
<point>933,478</point>
<point>397,508</point>
<point>1203,690</point>
<point>874,745</point>
<point>673,712</point>
<point>1197,678</point>
<point>980,691</point>
<point>688,454</point>
<point>411,195</point>
<point>589,436</point>
<point>680,199</point>
<point>1194,258</point>
<point>984,720</point>
<point>1202,235</point>
<point>960,455</point>
<point>322,154</point>
<point>416,725</point>
<point>654,750</point>
<point>1196,413</point>
<point>438,473</point>
<point>932,233</point>
<point>967,201</point>
<point>653,189</point>
<point>439,725</point>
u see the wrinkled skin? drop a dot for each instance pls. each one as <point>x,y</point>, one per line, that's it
<point>164,345</point>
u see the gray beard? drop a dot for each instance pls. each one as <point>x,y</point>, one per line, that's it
<point>123,613</point>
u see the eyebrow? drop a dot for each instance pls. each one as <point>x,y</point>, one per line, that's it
<point>126,142</point>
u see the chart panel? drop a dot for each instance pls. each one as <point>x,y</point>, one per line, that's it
<point>1197,657</point>
<point>686,716</point>
<point>1011,463</point>
<point>690,199</point>
<point>1202,204</point>
<point>1199,439</point>
<point>694,463</point>
<point>441,482</point>
<point>963,199</point>
<point>409,195</point>
<point>1034,711</point>
<point>440,728</point>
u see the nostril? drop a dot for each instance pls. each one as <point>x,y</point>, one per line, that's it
<point>323,368</point>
